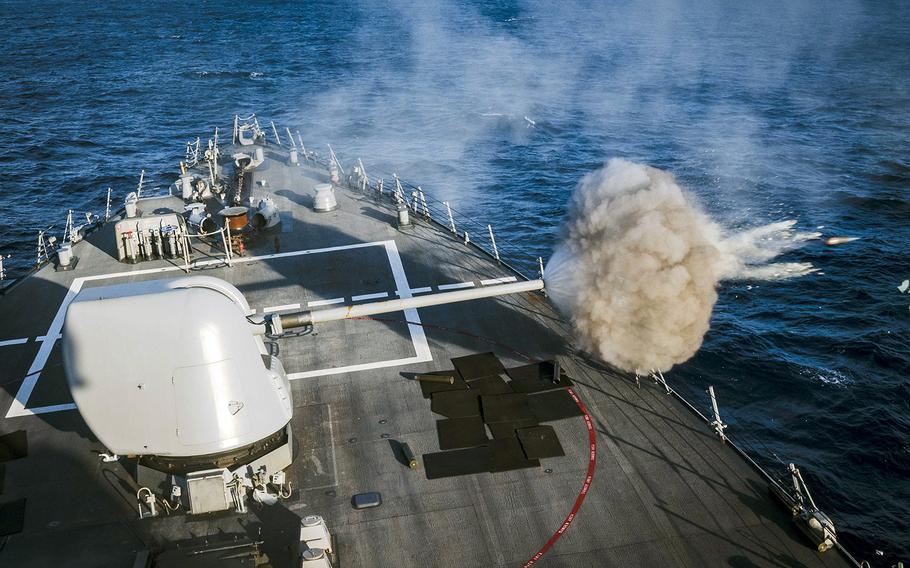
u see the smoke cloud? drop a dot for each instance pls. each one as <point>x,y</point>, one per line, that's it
<point>639,263</point>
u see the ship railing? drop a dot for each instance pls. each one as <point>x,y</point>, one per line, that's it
<point>422,205</point>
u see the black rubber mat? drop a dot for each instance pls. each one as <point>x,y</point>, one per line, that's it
<point>492,384</point>
<point>478,365</point>
<point>505,408</point>
<point>506,454</point>
<point>507,429</point>
<point>13,446</point>
<point>536,377</point>
<point>429,388</point>
<point>457,462</point>
<point>456,404</point>
<point>553,405</point>
<point>540,442</point>
<point>12,517</point>
<point>457,433</point>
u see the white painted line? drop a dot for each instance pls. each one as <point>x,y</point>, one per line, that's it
<point>17,408</point>
<point>423,290</point>
<point>375,296</point>
<point>53,408</point>
<point>359,367</point>
<point>456,286</point>
<point>284,308</point>
<point>19,341</point>
<point>418,337</point>
<point>503,280</point>
<point>317,303</point>
<point>44,337</point>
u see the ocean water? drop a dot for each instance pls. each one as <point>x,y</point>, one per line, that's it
<point>765,112</point>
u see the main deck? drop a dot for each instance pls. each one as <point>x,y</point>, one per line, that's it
<point>643,482</point>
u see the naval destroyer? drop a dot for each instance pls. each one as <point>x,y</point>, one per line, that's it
<point>285,360</point>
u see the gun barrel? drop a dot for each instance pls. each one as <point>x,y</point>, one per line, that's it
<point>309,317</point>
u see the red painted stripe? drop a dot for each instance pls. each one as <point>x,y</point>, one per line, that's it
<point>589,478</point>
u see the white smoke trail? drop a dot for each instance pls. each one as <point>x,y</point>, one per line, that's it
<point>639,263</point>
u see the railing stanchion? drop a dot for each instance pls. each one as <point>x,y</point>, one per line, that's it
<point>142,180</point>
<point>493,242</point>
<point>226,239</point>
<point>302,147</point>
<point>451,218</point>
<point>275,132</point>
<point>186,252</point>
<point>718,424</point>
<point>291,138</point>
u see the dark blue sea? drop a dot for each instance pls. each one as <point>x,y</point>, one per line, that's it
<point>764,110</point>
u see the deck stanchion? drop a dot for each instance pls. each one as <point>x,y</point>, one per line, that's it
<point>451,218</point>
<point>399,193</point>
<point>493,242</point>
<point>718,424</point>
<point>275,132</point>
<point>423,203</point>
<point>291,138</point>
<point>302,147</point>
<point>107,207</point>
<point>186,252</point>
<point>142,180</point>
<point>226,239</point>
<point>658,377</point>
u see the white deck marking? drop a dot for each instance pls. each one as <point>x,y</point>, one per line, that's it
<point>17,408</point>
<point>418,337</point>
<point>19,341</point>
<point>422,290</point>
<point>52,408</point>
<point>358,367</point>
<point>283,308</point>
<point>457,286</point>
<point>375,296</point>
<point>317,303</point>
<point>502,280</point>
<point>44,337</point>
